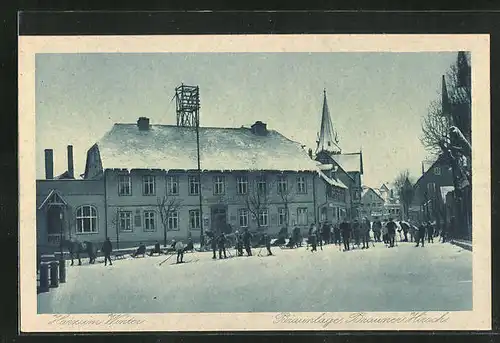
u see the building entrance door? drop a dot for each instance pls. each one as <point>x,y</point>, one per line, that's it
<point>55,224</point>
<point>219,219</point>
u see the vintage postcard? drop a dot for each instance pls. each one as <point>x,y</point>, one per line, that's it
<point>239,182</point>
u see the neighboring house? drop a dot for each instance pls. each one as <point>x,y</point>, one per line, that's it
<point>348,167</point>
<point>250,178</point>
<point>427,201</point>
<point>372,204</point>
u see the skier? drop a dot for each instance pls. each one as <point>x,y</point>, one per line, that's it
<point>179,247</point>
<point>222,245</point>
<point>391,231</point>
<point>247,237</point>
<point>346,234</point>
<point>365,231</point>
<point>107,248</point>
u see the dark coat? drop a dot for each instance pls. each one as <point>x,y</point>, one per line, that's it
<point>107,247</point>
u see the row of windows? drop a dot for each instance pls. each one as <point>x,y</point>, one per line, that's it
<point>242,185</point>
<point>86,219</point>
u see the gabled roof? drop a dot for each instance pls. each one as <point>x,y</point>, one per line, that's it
<point>384,187</point>
<point>349,162</point>
<point>437,161</point>
<point>53,198</point>
<point>368,190</point>
<point>171,147</point>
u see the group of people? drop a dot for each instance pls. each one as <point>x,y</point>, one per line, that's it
<point>243,242</point>
<point>348,234</point>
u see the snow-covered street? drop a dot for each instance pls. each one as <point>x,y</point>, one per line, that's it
<point>437,277</point>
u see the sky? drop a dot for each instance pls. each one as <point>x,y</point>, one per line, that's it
<point>376,100</point>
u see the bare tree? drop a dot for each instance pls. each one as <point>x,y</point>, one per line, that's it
<point>405,190</point>
<point>286,196</point>
<point>167,205</point>
<point>258,197</point>
<point>115,222</point>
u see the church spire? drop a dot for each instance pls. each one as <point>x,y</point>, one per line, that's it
<point>327,137</point>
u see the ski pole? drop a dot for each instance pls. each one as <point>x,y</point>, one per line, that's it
<point>165,260</point>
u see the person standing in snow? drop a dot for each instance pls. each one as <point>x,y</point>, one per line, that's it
<point>267,240</point>
<point>346,234</point>
<point>319,236</point>
<point>312,239</point>
<point>377,230</point>
<point>107,248</point>
<point>430,233</point>
<point>391,231</point>
<point>356,231</point>
<point>365,232</point>
<point>179,247</point>
<point>405,227</point>
<point>420,233</point>
<point>222,245</point>
<point>213,244</point>
<point>247,237</point>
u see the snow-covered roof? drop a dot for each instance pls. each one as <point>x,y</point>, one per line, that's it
<point>170,147</point>
<point>335,183</point>
<point>348,162</point>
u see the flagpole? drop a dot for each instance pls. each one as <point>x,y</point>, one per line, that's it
<point>202,241</point>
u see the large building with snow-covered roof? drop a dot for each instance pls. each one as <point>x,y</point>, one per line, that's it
<point>249,177</point>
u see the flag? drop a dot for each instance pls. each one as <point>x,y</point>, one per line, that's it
<point>463,70</point>
<point>445,101</point>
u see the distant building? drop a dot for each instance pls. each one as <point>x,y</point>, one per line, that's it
<point>430,192</point>
<point>250,178</point>
<point>346,167</point>
<point>380,203</point>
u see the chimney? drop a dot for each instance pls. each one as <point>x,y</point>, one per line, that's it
<point>143,123</point>
<point>259,128</point>
<point>49,164</point>
<point>71,171</point>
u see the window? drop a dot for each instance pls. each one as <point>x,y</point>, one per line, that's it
<point>431,188</point>
<point>243,216</point>
<point>172,185</point>
<point>263,217</point>
<point>437,171</point>
<point>86,219</point>
<point>125,221</point>
<point>194,185</point>
<point>282,185</point>
<point>282,216</point>
<point>173,221</point>
<point>301,184</point>
<point>194,219</point>
<point>124,185</point>
<point>148,185</point>
<point>261,185</point>
<point>219,185</point>
<point>302,216</point>
<point>242,184</point>
<point>149,221</point>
